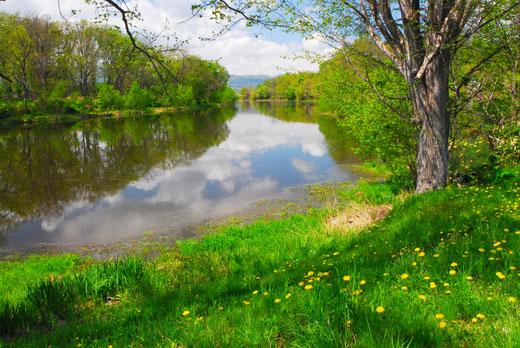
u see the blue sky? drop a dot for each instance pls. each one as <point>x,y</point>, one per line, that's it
<point>238,50</point>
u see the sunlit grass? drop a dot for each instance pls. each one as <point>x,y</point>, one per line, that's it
<point>442,269</point>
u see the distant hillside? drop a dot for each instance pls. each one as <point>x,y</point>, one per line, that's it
<point>236,82</point>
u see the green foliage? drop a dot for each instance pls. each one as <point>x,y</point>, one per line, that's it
<point>137,98</point>
<point>375,126</point>
<point>108,97</point>
<point>300,86</point>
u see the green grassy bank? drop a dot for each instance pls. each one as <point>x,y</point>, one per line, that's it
<point>442,269</point>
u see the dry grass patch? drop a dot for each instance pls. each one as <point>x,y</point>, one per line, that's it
<point>357,216</point>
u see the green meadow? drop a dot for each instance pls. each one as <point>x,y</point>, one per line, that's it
<point>376,268</point>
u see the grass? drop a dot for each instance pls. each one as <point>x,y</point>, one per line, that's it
<point>441,269</point>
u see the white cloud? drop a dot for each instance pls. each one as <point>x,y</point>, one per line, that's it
<point>238,50</point>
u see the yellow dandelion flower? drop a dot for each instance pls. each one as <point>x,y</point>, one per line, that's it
<point>426,278</point>
<point>288,295</point>
<point>255,292</point>
<point>404,288</point>
<point>490,298</point>
<point>380,309</point>
<point>349,322</point>
<point>386,274</point>
<point>200,318</point>
<point>346,278</point>
<point>266,293</point>
<point>220,308</point>
<point>439,316</point>
<point>512,299</point>
<point>500,275</point>
<point>446,284</point>
<point>497,244</point>
<point>308,287</point>
<point>404,276</point>
<point>301,283</point>
<point>417,249</point>
<point>185,313</point>
<point>481,250</point>
<point>433,285</point>
<point>310,273</point>
<point>435,255</point>
<point>474,320</point>
<point>277,300</point>
<point>442,325</point>
<point>481,316</point>
<point>453,272</point>
<point>454,264</point>
<point>414,263</point>
<point>422,253</point>
<point>469,278</point>
<point>247,303</point>
<point>363,282</point>
<point>447,292</point>
<point>422,297</point>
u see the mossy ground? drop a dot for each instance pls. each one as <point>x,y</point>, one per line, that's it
<point>440,270</point>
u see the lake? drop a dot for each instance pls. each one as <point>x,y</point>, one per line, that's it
<point>106,179</point>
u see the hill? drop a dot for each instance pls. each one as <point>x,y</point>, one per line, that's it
<point>236,82</point>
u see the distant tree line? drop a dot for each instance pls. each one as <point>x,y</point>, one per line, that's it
<point>299,86</point>
<point>55,67</point>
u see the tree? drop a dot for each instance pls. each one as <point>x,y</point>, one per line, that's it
<point>419,38</point>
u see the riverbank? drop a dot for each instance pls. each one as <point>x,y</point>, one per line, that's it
<point>441,269</point>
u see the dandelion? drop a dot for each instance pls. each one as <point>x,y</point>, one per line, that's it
<point>497,244</point>
<point>435,255</point>
<point>447,292</point>
<point>474,320</point>
<point>426,278</point>
<point>349,322</point>
<point>433,285</point>
<point>200,318</point>
<point>220,308</point>
<point>422,253</point>
<point>439,316</point>
<point>446,284</point>
<point>422,297</point>
<point>414,263</point>
<point>404,276</point>
<point>308,287</point>
<point>277,300</point>
<point>185,313</point>
<point>266,293</point>
<point>442,325</point>
<point>490,298</point>
<point>481,250</point>
<point>301,283</point>
<point>512,299</point>
<point>454,264</point>
<point>453,272</point>
<point>500,275</point>
<point>404,288</point>
<point>469,278</point>
<point>417,249</point>
<point>380,309</point>
<point>363,282</point>
<point>255,292</point>
<point>246,302</point>
<point>311,273</point>
<point>288,295</point>
<point>346,278</point>
<point>481,316</point>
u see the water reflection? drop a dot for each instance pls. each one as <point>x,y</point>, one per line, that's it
<point>104,180</point>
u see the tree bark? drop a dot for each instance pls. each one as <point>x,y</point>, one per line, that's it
<point>430,97</point>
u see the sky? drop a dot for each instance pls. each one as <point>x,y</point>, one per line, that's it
<point>239,51</point>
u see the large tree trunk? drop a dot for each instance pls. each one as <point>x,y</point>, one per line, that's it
<point>430,97</point>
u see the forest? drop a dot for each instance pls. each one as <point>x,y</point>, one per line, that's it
<point>51,67</point>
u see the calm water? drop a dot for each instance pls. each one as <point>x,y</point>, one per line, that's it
<point>104,180</point>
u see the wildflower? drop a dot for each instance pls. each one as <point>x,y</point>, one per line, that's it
<point>288,295</point>
<point>500,275</point>
<point>185,313</point>
<point>439,316</point>
<point>497,244</point>
<point>435,255</point>
<point>442,325</point>
<point>385,274</point>
<point>308,287</point>
<point>417,249</point>
<point>426,278</point>
<point>481,250</point>
<point>454,264</point>
<point>404,288</point>
<point>255,292</point>
<point>422,297</point>
<point>414,263</point>
<point>349,322</point>
<point>512,299</point>
<point>346,278</point>
<point>265,293</point>
<point>380,309</point>
<point>447,292</point>
<point>481,316</point>
<point>311,273</point>
<point>246,302</point>
<point>220,308</point>
<point>433,285</point>
<point>277,300</point>
<point>453,272</point>
<point>301,283</point>
<point>474,320</point>
<point>200,318</point>
<point>446,284</point>
<point>363,282</point>
<point>490,298</point>
<point>404,276</point>
<point>422,253</point>
<point>469,278</point>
